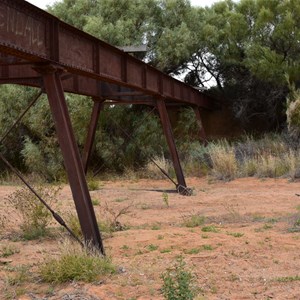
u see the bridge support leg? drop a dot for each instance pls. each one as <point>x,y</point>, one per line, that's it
<point>98,106</point>
<point>202,134</point>
<point>72,159</point>
<point>166,124</point>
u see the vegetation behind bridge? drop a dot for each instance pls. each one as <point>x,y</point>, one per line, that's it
<point>246,51</point>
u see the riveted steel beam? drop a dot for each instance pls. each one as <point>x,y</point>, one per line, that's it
<point>98,106</point>
<point>167,128</point>
<point>72,159</point>
<point>33,35</point>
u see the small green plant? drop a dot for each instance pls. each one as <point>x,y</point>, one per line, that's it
<point>125,247</point>
<point>95,202</point>
<point>75,263</point>
<point>165,198</point>
<point>288,278</point>
<point>295,224</point>
<point>265,227</point>
<point>156,227</point>
<point>178,282</point>
<point>160,237</point>
<point>73,223</point>
<point>34,215</point>
<point>21,275</point>
<point>110,217</point>
<point>210,228</point>
<point>9,250</point>
<point>152,247</point>
<point>167,250</point>
<point>192,251</point>
<point>235,234</point>
<point>93,184</point>
<point>119,200</point>
<point>193,221</point>
<point>207,247</point>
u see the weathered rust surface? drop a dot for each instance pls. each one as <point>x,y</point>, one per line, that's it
<point>35,36</point>
<point>98,106</point>
<point>72,160</point>
<point>166,124</point>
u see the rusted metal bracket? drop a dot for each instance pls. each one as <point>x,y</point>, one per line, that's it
<point>72,160</point>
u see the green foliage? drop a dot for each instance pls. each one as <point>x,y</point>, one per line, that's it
<point>73,223</point>
<point>210,228</point>
<point>293,112</point>
<point>21,275</point>
<point>121,23</point>
<point>235,234</point>
<point>35,216</point>
<point>95,202</point>
<point>193,221</point>
<point>152,247</point>
<point>178,282</point>
<point>77,264</point>
<point>192,251</point>
<point>8,251</point>
<point>247,47</point>
<point>93,184</point>
<point>288,278</point>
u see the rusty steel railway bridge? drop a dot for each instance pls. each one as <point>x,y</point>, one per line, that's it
<point>39,50</point>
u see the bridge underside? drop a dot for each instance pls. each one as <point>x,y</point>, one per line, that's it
<point>39,50</point>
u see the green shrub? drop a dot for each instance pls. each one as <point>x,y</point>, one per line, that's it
<point>178,282</point>
<point>193,221</point>
<point>75,263</point>
<point>73,223</point>
<point>210,228</point>
<point>93,184</point>
<point>8,251</point>
<point>34,215</point>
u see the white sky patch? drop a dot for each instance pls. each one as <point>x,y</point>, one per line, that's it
<point>43,3</point>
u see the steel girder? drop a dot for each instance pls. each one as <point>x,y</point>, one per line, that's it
<point>39,50</point>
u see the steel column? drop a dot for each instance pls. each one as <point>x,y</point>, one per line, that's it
<point>88,146</point>
<point>166,124</point>
<point>202,134</point>
<point>72,159</point>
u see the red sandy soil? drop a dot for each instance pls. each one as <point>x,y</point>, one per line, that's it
<point>253,255</point>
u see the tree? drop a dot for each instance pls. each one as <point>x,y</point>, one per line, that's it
<point>248,48</point>
<point>165,26</point>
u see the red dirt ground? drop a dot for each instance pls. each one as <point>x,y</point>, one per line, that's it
<point>253,255</point>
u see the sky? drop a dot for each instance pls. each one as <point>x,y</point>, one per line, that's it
<point>43,3</point>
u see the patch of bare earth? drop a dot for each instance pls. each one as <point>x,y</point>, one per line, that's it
<point>246,252</point>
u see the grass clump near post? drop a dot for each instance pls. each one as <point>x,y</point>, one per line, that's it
<point>34,215</point>
<point>192,221</point>
<point>75,263</point>
<point>224,164</point>
<point>179,282</point>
